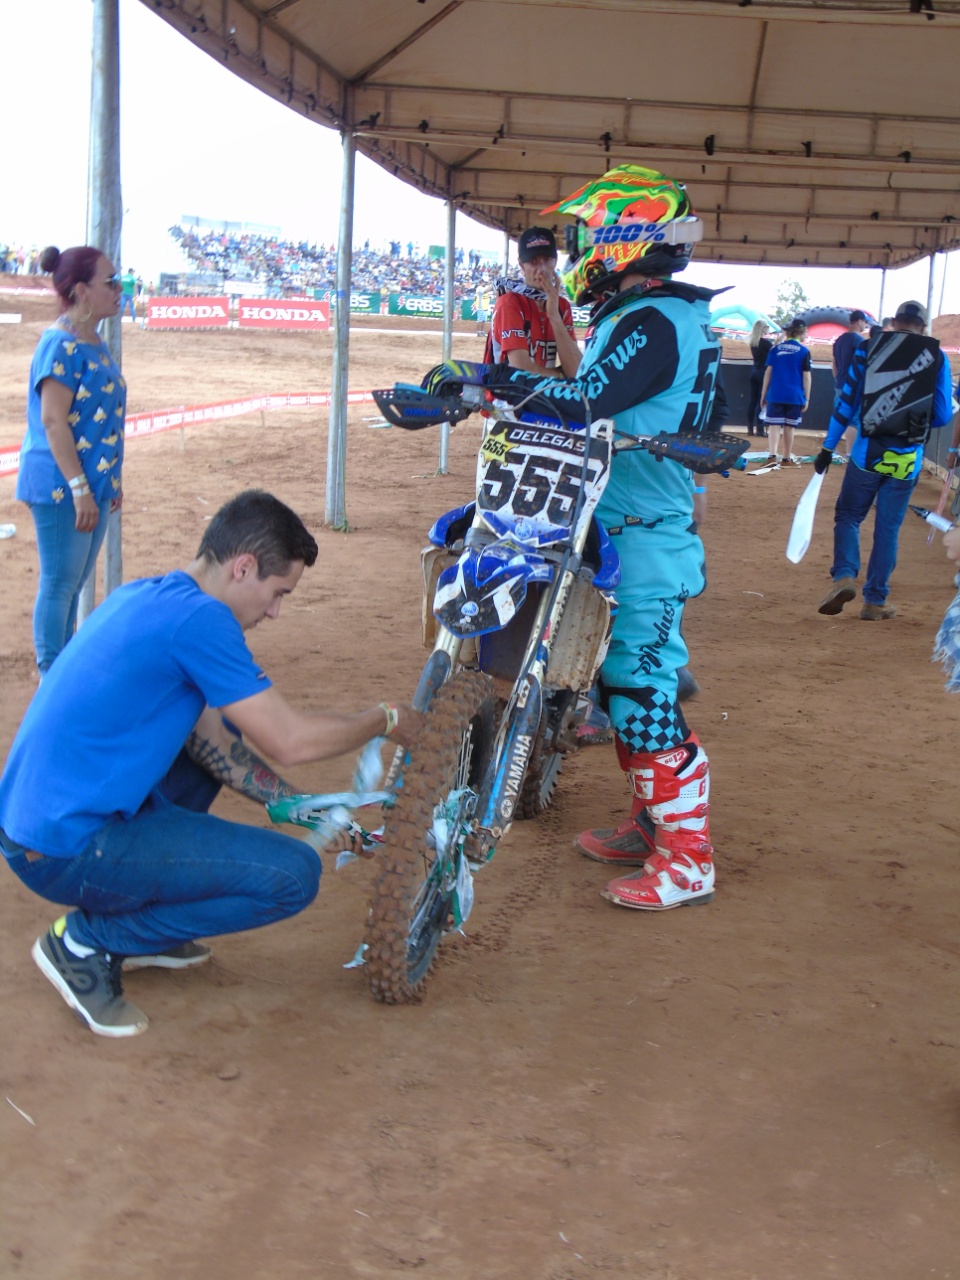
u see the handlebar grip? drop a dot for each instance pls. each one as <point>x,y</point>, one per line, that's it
<point>414,409</point>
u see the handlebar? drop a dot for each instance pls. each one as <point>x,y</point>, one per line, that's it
<point>413,409</point>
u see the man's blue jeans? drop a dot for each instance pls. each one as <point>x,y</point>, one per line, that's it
<point>127,300</point>
<point>67,559</point>
<point>858,492</point>
<point>173,873</point>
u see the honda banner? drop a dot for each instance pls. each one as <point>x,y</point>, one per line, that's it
<point>284,313</point>
<point>187,313</point>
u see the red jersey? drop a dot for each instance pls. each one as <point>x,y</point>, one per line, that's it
<point>520,324</point>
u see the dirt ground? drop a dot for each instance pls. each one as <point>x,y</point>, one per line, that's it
<point>764,1088</point>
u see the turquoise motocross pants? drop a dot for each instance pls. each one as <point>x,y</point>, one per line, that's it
<point>661,566</point>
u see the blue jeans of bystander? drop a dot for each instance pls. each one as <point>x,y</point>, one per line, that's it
<point>858,492</point>
<point>66,561</point>
<point>173,873</point>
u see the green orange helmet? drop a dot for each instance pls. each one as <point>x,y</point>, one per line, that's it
<point>631,219</point>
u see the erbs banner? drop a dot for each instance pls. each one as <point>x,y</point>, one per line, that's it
<point>409,304</point>
<point>360,303</point>
<point>283,313</point>
<point>188,313</point>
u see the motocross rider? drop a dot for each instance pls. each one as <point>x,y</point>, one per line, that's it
<point>652,363</point>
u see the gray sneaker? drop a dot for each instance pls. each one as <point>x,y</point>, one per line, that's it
<point>187,956</point>
<point>842,592</point>
<point>91,986</point>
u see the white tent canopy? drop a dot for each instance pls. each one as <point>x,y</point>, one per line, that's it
<point>808,132</point>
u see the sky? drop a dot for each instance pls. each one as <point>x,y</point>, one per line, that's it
<point>196,139</point>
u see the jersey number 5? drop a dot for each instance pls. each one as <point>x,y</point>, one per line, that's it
<point>698,406</point>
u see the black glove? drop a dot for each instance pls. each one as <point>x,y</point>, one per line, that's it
<point>448,379</point>
<point>822,461</point>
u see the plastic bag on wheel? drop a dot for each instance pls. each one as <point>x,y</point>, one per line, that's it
<point>445,815</point>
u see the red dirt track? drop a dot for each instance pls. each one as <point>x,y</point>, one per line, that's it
<point>763,1088</point>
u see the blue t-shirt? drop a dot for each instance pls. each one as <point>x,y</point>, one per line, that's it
<point>787,362</point>
<point>843,350</point>
<point>96,418</point>
<point>116,708</point>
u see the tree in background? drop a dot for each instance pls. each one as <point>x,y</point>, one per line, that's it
<point>791,300</point>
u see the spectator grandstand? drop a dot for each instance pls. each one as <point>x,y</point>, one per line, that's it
<point>284,268</point>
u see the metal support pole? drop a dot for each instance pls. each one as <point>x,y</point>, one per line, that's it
<point>883,290</point>
<point>933,268</point>
<point>943,284</point>
<point>336,512</point>
<point>104,221</point>
<point>506,251</point>
<point>448,303</point>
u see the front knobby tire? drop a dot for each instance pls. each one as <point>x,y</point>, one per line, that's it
<point>410,909</point>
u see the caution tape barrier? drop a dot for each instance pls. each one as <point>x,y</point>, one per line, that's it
<point>148,424</point>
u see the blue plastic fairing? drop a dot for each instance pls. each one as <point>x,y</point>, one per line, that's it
<point>607,577</point>
<point>452,525</point>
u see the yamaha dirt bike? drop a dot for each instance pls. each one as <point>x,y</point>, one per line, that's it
<point>519,601</point>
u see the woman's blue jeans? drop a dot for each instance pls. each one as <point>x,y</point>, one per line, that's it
<point>173,873</point>
<point>858,492</point>
<point>67,559</point>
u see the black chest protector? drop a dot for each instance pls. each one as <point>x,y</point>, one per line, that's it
<point>898,390</point>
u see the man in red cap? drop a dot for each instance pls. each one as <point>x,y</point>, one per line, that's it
<point>532,323</point>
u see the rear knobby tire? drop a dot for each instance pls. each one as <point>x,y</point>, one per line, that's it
<point>540,780</point>
<point>453,750</point>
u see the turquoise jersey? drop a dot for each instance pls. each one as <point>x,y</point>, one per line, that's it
<point>639,486</point>
<point>651,363</point>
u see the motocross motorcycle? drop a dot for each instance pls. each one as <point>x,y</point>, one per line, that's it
<point>519,601</point>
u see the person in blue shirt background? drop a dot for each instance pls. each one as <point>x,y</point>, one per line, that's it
<point>786,388</point>
<point>843,350</point>
<point>883,469</point>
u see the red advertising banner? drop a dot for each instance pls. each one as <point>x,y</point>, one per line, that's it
<point>188,313</point>
<point>284,313</point>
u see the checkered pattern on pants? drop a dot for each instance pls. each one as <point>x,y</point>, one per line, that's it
<point>653,723</point>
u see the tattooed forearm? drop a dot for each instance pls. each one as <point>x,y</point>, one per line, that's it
<point>240,769</point>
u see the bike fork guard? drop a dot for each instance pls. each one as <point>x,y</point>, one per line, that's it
<point>514,758</point>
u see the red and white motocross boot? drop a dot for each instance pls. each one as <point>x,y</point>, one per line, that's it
<point>674,788</point>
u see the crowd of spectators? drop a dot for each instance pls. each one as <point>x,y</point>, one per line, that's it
<point>15,260</point>
<point>285,268</point>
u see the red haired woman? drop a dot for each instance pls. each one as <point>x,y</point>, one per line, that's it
<point>73,449</point>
